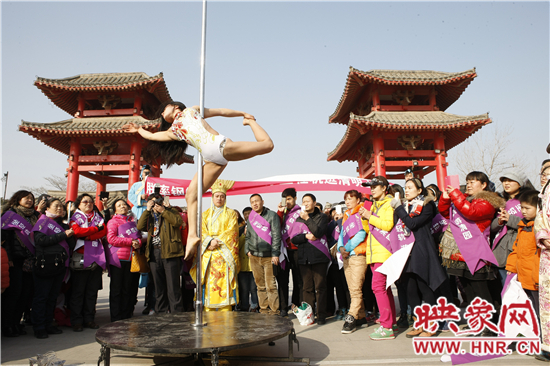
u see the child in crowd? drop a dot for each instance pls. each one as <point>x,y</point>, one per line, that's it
<point>525,257</point>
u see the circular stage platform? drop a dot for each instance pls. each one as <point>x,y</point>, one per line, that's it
<point>174,334</point>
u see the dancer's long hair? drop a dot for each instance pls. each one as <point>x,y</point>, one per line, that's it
<point>169,152</point>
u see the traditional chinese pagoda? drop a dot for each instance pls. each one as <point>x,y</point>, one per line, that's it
<point>396,120</point>
<point>96,146</point>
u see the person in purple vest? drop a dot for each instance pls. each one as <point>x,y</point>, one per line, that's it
<point>54,240</point>
<point>263,246</point>
<point>123,237</point>
<point>87,262</point>
<point>422,271</point>
<point>504,228</point>
<point>464,248</point>
<point>285,212</point>
<point>18,218</point>
<point>309,235</point>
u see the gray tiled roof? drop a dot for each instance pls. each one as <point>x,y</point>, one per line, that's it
<point>83,126</point>
<point>100,79</point>
<point>456,129</point>
<point>416,120</point>
<point>448,86</point>
<point>58,135</point>
<point>414,76</point>
<point>64,93</point>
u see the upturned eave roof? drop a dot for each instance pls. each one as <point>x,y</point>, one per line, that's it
<point>454,127</point>
<point>58,135</point>
<point>449,86</point>
<point>64,92</point>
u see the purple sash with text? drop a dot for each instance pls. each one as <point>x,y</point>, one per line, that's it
<point>513,207</point>
<point>22,228</point>
<point>47,226</point>
<point>260,226</point>
<point>93,249</point>
<point>471,242</point>
<point>352,226</point>
<point>321,244</point>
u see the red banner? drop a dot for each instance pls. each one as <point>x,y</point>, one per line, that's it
<point>176,188</point>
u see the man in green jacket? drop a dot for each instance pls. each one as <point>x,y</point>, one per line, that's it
<point>164,250</point>
<point>263,246</point>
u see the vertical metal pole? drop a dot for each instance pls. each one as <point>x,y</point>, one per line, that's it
<point>198,302</point>
<point>6,185</point>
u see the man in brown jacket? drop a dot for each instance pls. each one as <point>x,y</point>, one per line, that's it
<point>164,250</point>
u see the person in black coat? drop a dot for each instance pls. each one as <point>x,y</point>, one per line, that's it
<point>16,299</point>
<point>423,269</point>
<point>312,261</point>
<point>50,268</point>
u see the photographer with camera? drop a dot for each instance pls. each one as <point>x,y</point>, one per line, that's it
<point>137,195</point>
<point>164,250</point>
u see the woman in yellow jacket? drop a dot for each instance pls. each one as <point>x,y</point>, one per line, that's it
<point>380,217</point>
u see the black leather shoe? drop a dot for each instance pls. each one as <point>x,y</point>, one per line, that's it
<point>10,332</point>
<point>21,329</point>
<point>41,334</point>
<point>53,330</point>
<point>321,321</point>
<point>78,328</point>
<point>91,325</point>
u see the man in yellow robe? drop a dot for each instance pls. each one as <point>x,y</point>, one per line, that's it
<point>219,252</point>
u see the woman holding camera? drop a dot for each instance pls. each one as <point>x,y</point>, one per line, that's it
<point>87,262</point>
<point>53,240</point>
<point>123,234</point>
<point>17,222</point>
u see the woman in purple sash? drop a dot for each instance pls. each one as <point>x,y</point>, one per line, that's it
<point>423,270</point>
<point>53,240</point>
<point>89,230</point>
<point>504,228</point>
<point>380,218</point>
<point>18,218</point>
<point>123,234</point>
<point>479,206</point>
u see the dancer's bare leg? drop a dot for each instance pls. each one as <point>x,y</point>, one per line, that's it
<point>210,172</point>
<point>242,150</point>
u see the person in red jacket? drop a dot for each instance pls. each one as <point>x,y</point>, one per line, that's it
<point>86,282</point>
<point>480,205</point>
<point>123,234</point>
<point>5,270</point>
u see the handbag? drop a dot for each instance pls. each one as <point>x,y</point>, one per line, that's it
<point>77,263</point>
<point>139,263</point>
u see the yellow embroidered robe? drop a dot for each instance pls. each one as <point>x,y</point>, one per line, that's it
<point>221,265</point>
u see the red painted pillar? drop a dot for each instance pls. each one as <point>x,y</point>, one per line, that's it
<point>81,103</point>
<point>135,163</point>
<point>72,176</point>
<point>441,167</point>
<point>376,100</point>
<point>379,159</point>
<point>137,105</point>
<point>100,186</point>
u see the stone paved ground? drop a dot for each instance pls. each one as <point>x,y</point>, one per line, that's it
<point>324,345</point>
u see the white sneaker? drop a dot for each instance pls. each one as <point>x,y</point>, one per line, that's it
<point>151,312</point>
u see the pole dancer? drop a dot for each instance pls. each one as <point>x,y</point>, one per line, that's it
<point>183,126</point>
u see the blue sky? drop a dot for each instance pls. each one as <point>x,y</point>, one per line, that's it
<point>285,62</point>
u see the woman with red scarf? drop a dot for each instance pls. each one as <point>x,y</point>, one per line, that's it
<point>89,231</point>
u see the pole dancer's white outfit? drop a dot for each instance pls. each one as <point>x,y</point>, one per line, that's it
<point>188,126</point>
